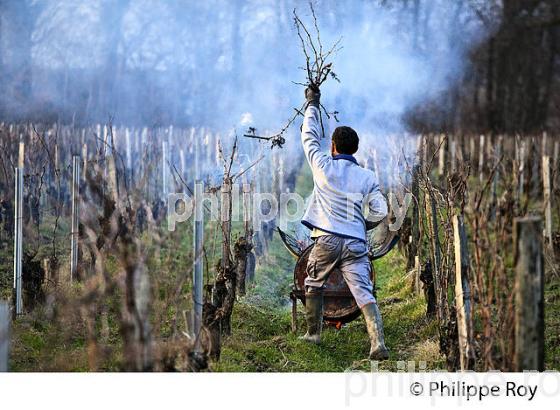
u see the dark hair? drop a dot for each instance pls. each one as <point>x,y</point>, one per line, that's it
<point>345,140</point>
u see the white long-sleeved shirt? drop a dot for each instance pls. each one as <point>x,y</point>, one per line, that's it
<point>343,191</point>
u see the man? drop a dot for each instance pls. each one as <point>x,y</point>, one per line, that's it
<point>335,216</point>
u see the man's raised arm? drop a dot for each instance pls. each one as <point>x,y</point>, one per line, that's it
<point>310,131</point>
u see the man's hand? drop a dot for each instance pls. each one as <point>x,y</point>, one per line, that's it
<point>313,95</point>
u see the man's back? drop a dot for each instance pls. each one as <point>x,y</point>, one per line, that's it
<point>340,188</point>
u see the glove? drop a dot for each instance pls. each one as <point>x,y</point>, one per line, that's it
<point>313,95</point>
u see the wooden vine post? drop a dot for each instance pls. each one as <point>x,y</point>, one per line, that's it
<point>555,164</point>
<point>56,171</point>
<point>414,252</point>
<point>441,157</point>
<point>425,142</point>
<point>529,295</point>
<point>4,335</point>
<point>75,217</point>
<point>128,150</point>
<point>547,200</point>
<point>534,162</point>
<point>225,202</point>
<point>496,176</point>
<point>182,162</point>
<point>18,233</point>
<point>164,178</point>
<point>198,273</point>
<point>431,213</point>
<point>85,160</point>
<point>463,301</point>
<point>248,221</point>
<point>481,159</point>
<point>520,171</point>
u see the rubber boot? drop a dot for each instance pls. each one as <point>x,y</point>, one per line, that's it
<point>374,325</point>
<point>313,316</point>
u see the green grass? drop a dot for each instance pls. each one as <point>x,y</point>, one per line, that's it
<point>41,345</point>
<point>262,340</point>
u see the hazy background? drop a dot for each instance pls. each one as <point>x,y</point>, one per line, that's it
<point>410,65</point>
